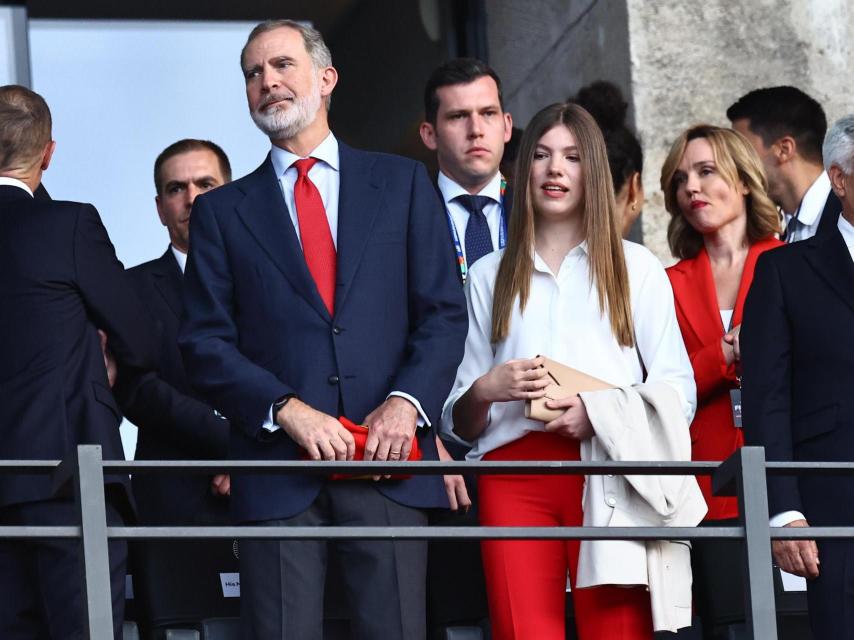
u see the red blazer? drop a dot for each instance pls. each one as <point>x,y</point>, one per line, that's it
<point>713,434</point>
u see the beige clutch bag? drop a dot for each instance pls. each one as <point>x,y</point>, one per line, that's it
<point>566,382</point>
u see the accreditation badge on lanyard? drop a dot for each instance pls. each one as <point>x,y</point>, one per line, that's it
<point>735,394</point>
<point>458,245</point>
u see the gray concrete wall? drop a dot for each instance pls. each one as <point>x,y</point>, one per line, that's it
<point>690,61</point>
<point>546,50</point>
<point>677,63</point>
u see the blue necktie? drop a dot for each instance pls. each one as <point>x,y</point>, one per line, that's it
<point>478,239</point>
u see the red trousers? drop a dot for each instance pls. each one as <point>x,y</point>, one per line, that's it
<point>526,579</point>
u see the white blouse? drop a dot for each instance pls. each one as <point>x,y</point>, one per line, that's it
<point>562,321</point>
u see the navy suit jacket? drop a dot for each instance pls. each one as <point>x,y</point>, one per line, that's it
<point>797,343</point>
<point>60,281</point>
<point>256,329</point>
<point>174,424</point>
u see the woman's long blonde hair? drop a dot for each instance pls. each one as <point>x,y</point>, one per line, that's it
<point>604,245</point>
<point>736,160</point>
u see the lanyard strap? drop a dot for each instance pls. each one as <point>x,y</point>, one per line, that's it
<point>458,245</point>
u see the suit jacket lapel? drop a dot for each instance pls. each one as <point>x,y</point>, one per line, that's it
<point>756,249</point>
<point>829,256</point>
<point>167,280</point>
<point>698,300</point>
<point>265,214</point>
<point>829,215</point>
<point>358,203</point>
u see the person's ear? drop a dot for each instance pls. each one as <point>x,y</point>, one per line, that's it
<point>508,127</point>
<point>636,195</point>
<point>159,206</point>
<point>47,155</point>
<point>785,149</point>
<point>428,135</point>
<point>328,80</point>
<point>837,180</point>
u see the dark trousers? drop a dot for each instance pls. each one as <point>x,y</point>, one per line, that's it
<point>718,567</point>
<point>831,596</point>
<point>42,580</point>
<point>282,581</point>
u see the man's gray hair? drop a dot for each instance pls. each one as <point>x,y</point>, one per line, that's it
<point>314,44</point>
<point>838,147</point>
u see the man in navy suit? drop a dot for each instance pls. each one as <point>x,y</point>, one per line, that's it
<point>59,282</point>
<point>321,285</point>
<point>173,422</point>
<point>797,345</point>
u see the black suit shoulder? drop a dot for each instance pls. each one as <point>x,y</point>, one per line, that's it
<point>145,268</point>
<point>788,255</point>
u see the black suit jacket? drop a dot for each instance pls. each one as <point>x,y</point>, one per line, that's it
<point>797,342</point>
<point>59,281</point>
<point>174,424</point>
<point>829,219</point>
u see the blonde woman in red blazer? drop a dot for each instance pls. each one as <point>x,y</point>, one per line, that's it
<point>721,221</point>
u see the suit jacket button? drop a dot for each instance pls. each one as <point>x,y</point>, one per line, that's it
<point>333,380</point>
<point>336,330</point>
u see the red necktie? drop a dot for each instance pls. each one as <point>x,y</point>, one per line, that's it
<point>317,245</point>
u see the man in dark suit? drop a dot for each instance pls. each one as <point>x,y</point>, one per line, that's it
<point>786,127</point>
<point>466,125</point>
<point>173,422</point>
<point>59,281</point>
<point>797,348</point>
<point>321,285</point>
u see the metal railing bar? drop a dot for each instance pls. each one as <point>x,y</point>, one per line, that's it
<point>813,468</point>
<point>424,533</point>
<point>439,533</point>
<point>811,533</point>
<point>410,468</point>
<point>36,467</point>
<point>23,532</point>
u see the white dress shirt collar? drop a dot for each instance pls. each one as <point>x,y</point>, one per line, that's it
<point>180,257</point>
<point>814,200</point>
<point>577,251</point>
<point>14,182</point>
<point>460,215</point>
<point>451,189</point>
<point>847,231</point>
<point>326,151</point>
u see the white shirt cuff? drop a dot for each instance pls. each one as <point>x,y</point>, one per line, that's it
<point>782,519</point>
<point>423,420</point>
<point>268,424</point>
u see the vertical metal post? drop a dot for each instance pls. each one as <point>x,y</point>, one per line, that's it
<point>753,510</point>
<point>89,489</point>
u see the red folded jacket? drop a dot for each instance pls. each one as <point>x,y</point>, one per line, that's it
<point>360,436</point>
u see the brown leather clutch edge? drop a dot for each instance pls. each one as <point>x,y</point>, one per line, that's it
<point>565,382</point>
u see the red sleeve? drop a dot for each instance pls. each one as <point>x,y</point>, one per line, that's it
<point>711,372</point>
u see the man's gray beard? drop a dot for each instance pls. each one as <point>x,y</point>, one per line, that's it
<point>284,124</point>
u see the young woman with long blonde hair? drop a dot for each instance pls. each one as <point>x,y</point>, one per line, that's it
<point>567,287</point>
